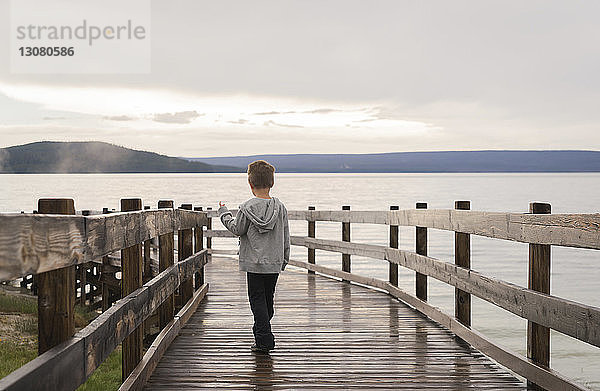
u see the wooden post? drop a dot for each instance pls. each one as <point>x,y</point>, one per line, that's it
<point>462,258</point>
<point>147,257</point>
<point>131,279</point>
<point>166,259</point>
<point>538,337</point>
<point>198,246</point>
<point>185,249</point>
<point>311,234</point>
<point>83,274</point>
<point>82,277</point>
<point>393,272</point>
<point>208,238</point>
<point>106,300</point>
<point>421,248</point>
<point>56,290</point>
<point>346,238</point>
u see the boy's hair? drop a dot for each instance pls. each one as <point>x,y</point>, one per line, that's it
<point>260,174</point>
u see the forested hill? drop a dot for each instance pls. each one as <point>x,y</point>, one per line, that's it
<point>446,161</point>
<point>94,157</point>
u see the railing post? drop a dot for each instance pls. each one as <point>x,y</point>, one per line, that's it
<point>421,248</point>
<point>208,238</point>
<point>82,275</point>
<point>56,290</point>
<point>311,234</point>
<point>393,272</point>
<point>131,279</point>
<point>538,337</point>
<point>198,246</point>
<point>185,249</point>
<point>166,259</point>
<point>147,274</point>
<point>106,299</point>
<point>462,258</point>
<point>346,238</point>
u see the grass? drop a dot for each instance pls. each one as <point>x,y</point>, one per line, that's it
<point>108,375</point>
<point>13,355</point>
<point>18,341</point>
<point>27,326</point>
<point>17,303</point>
<point>83,316</point>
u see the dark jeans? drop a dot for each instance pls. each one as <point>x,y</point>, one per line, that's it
<point>261,289</point>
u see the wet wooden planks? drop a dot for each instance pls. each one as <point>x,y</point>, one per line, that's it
<point>329,335</point>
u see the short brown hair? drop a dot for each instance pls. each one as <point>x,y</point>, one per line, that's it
<point>260,174</point>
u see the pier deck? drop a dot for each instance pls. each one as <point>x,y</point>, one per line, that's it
<point>329,335</point>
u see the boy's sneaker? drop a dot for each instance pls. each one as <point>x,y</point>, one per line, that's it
<point>259,349</point>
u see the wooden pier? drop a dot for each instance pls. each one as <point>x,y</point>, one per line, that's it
<point>334,328</point>
<point>329,335</point>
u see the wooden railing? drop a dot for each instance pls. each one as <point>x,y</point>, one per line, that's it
<point>52,242</point>
<point>534,303</point>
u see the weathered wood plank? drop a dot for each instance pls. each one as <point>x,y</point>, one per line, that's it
<point>514,361</point>
<point>35,243</point>
<point>538,336</point>
<point>329,336</point>
<point>346,265</point>
<point>462,258</point>
<point>421,249</point>
<point>47,242</point>
<point>166,259</point>
<point>185,249</point>
<point>142,372</point>
<point>60,368</point>
<point>574,319</point>
<point>393,267</point>
<point>571,230</point>
<point>311,234</point>
<point>56,290</point>
<point>131,280</point>
<point>198,246</point>
<point>218,233</point>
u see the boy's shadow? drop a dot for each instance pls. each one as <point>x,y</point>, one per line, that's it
<point>263,378</point>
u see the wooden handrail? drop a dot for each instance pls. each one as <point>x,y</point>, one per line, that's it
<point>542,310</point>
<point>544,377</point>
<point>569,230</point>
<point>36,243</point>
<point>577,320</point>
<point>69,364</point>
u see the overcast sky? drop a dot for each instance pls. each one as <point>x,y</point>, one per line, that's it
<point>247,77</point>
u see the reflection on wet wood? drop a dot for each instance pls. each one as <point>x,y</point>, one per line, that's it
<point>329,335</point>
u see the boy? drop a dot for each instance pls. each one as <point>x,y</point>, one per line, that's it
<point>262,225</point>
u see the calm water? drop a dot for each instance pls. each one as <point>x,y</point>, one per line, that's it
<point>575,272</point>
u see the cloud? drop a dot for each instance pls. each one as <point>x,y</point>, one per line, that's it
<point>270,113</point>
<point>53,118</point>
<point>240,121</point>
<point>181,117</point>
<point>321,111</point>
<point>313,111</point>
<point>118,118</point>
<point>273,123</point>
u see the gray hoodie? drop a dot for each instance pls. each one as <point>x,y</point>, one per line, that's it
<point>262,225</point>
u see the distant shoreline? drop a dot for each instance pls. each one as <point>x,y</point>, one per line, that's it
<point>92,157</point>
<point>315,172</point>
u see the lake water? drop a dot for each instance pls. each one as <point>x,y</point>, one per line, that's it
<point>575,272</point>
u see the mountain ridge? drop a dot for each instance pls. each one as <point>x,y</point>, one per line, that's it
<point>434,161</point>
<point>45,157</point>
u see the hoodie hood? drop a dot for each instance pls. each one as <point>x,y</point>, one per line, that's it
<point>262,213</point>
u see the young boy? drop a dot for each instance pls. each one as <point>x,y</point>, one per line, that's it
<point>262,225</point>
